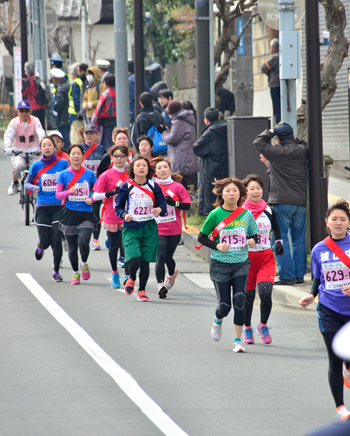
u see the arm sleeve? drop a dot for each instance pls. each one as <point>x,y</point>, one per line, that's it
<point>314,287</point>
<point>121,201</point>
<point>40,131</point>
<point>263,144</point>
<point>204,239</point>
<point>275,226</point>
<point>60,194</point>
<point>202,147</point>
<point>97,196</point>
<point>29,182</point>
<point>9,135</point>
<point>174,136</point>
<point>184,206</point>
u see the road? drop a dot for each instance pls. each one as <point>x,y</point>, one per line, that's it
<point>91,361</point>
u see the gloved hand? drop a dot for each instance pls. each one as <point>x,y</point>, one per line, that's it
<point>279,250</point>
<point>171,202</point>
<point>112,192</point>
<point>8,151</point>
<point>55,113</point>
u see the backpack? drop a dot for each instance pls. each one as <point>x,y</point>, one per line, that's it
<point>159,146</point>
<point>42,96</point>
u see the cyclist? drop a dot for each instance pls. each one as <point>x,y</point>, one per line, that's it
<point>24,133</point>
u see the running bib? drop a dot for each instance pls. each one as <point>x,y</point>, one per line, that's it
<point>141,209</point>
<point>92,165</point>
<point>262,240</point>
<point>336,275</point>
<point>48,182</point>
<point>170,215</point>
<point>82,192</point>
<point>235,237</point>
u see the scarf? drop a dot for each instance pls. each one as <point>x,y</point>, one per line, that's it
<point>166,181</point>
<point>254,207</point>
<point>48,160</point>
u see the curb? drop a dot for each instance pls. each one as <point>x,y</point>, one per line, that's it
<point>288,296</point>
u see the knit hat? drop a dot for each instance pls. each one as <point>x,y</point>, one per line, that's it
<point>284,132</point>
<point>173,107</point>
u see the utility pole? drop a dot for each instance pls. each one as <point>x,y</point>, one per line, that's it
<point>139,53</point>
<point>83,31</point>
<point>203,61</point>
<point>24,39</point>
<point>121,64</point>
<point>317,180</point>
<point>39,43</point>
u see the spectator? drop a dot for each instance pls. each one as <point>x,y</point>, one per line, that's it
<point>180,140</point>
<point>82,74</point>
<point>148,118</point>
<point>165,96</point>
<point>106,112</point>
<point>189,107</point>
<point>227,100</point>
<point>131,67</point>
<point>29,93</point>
<point>92,93</point>
<point>74,104</point>
<point>211,147</point>
<point>158,86</point>
<point>287,194</point>
<point>271,69</point>
<point>58,63</point>
<point>103,67</point>
<point>61,104</point>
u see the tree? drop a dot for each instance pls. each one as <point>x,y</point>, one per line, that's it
<point>9,24</point>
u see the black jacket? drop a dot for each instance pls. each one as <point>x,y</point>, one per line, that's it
<point>211,147</point>
<point>288,169</point>
<point>145,120</point>
<point>62,104</point>
<point>227,100</point>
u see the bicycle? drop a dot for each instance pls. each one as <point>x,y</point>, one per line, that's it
<point>25,199</point>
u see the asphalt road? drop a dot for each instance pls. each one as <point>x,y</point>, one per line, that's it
<point>91,361</point>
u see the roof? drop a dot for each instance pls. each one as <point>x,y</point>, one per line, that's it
<point>101,10</point>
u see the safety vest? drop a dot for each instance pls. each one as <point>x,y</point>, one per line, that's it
<point>71,109</point>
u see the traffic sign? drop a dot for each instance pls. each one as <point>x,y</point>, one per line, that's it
<point>269,12</point>
<point>51,20</point>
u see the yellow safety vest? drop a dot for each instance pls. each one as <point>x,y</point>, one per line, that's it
<point>71,109</point>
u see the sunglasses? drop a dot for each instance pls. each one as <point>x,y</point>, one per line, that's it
<point>119,156</point>
<point>24,110</point>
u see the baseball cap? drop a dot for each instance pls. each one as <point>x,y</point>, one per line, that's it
<point>90,128</point>
<point>284,131</point>
<point>56,133</point>
<point>23,104</point>
<point>57,73</point>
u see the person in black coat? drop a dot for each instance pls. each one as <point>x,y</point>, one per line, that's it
<point>227,101</point>
<point>61,104</point>
<point>212,148</point>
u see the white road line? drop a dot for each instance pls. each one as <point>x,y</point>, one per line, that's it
<point>123,379</point>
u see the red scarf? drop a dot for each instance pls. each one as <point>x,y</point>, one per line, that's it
<point>255,208</point>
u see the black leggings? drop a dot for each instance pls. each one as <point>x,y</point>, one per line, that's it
<point>115,240</point>
<point>96,210</point>
<point>136,264</point>
<point>166,249</point>
<point>51,236</point>
<point>223,292</point>
<point>335,371</point>
<point>81,240</point>
<point>265,293</point>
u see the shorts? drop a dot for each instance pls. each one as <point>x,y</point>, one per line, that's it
<point>171,241</point>
<point>262,268</point>
<point>47,215</point>
<point>225,272</point>
<point>330,321</point>
<point>73,220</point>
<point>141,242</point>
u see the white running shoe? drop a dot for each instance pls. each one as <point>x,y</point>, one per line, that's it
<point>170,280</point>
<point>216,331</point>
<point>343,413</point>
<point>238,347</point>
<point>13,189</point>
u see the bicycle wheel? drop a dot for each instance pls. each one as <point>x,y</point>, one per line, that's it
<point>27,208</point>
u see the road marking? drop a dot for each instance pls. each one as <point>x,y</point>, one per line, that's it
<point>123,379</point>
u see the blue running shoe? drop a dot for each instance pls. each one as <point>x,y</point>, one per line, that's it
<point>107,244</point>
<point>115,281</point>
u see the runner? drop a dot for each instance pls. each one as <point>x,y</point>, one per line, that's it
<point>262,267</point>
<point>169,226</point>
<point>58,140</point>
<point>77,220</point>
<point>42,179</point>
<point>331,271</point>
<point>145,146</point>
<point>23,133</point>
<point>233,229</point>
<point>92,158</point>
<point>107,188</point>
<point>143,200</point>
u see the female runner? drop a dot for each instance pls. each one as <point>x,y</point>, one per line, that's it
<point>233,229</point>
<point>143,200</point>
<point>169,226</point>
<point>331,271</point>
<point>93,153</point>
<point>42,179</point>
<point>262,261</point>
<point>77,220</point>
<point>107,188</point>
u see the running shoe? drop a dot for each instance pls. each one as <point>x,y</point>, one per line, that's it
<point>141,296</point>
<point>162,290</point>
<point>85,272</point>
<point>95,245</point>
<point>216,331</point>
<point>346,376</point>
<point>39,253</point>
<point>248,335</point>
<point>170,280</point>
<point>115,281</point>
<point>65,245</point>
<point>57,277</point>
<point>129,286</point>
<point>107,243</point>
<point>343,413</point>
<point>76,279</point>
<point>13,189</point>
<point>121,262</point>
<point>238,347</point>
<point>264,334</point>
<point>125,278</point>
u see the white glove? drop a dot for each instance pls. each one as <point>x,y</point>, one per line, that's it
<point>55,113</point>
<point>8,151</point>
<point>89,105</point>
